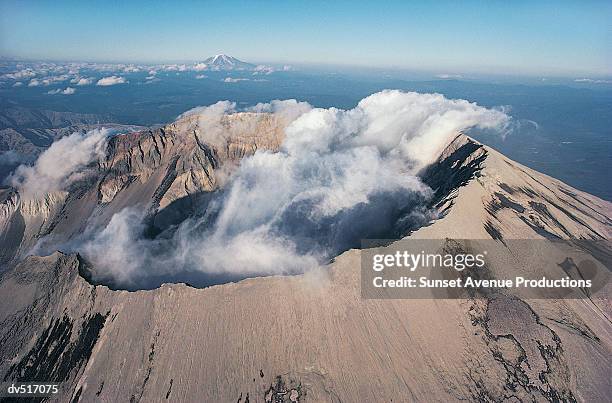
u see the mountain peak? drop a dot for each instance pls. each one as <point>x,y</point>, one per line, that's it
<point>225,62</point>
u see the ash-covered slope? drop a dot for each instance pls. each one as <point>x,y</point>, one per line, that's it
<point>507,199</point>
<point>312,337</point>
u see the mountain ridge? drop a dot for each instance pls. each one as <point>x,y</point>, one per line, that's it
<point>155,167</point>
<point>327,340</point>
<point>169,168</point>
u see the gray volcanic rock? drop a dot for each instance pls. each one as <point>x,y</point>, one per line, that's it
<point>186,159</point>
<point>313,337</point>
<point>152,169</point>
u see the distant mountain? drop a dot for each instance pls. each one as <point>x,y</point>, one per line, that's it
<point>17,117</point>
<point>26,132</point>
<point>225,62</point>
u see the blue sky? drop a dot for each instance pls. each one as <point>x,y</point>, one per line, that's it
<point>513,37</point>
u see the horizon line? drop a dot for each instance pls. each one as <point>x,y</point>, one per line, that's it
<point>355,66</point>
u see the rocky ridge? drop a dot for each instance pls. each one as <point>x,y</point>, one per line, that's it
<point>313,337</point>
<point>163,170</point>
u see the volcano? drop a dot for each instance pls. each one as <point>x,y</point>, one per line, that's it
<point>309,336</point>
<point>225,62</point>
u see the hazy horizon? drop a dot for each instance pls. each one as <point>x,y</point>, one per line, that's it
<point>333,68</point>
<point>546,39</point>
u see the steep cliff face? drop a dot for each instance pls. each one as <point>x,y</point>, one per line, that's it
<point>313,337</point>
<point>187,154</point>
<point>159,170</point>
<point>502,198</point>
<point>23,221</point>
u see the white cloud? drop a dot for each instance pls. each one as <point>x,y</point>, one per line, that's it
<point>126,253</point>
<point>449,76</point>
<point>592,81</point>
<point>339,176</point>
<point>288,110</point>
<point>67,91</point>
<point>20,74</point>
<point>200,76</point>
<point>209,117</point>
<point>174,67</point>
<point>112,80</point>
<point>49,80</point>
<point>80,81</point>
<point>405,123</point>
<point>263,69</point>
<point>131,69</point>
<point>234,80</point>
<point>200,67</point>
<point>18,84</point>
<point>54,79</point>
<point>209,120</point>
<point>213,111</point>
<point>61,164</point>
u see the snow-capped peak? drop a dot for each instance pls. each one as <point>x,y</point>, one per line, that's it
<point>225,62</point>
